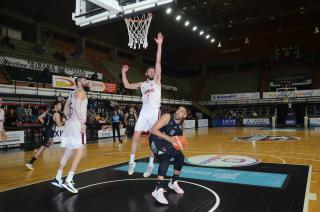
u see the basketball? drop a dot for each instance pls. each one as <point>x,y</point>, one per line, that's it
<point>180,143</point>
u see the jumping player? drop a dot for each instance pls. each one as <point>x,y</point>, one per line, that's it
<point>151,97</point>
<point>49,119</point>
<point>160,141</point>
<point>2,119</point>
<point>73,138</point>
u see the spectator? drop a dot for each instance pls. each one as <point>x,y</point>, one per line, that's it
<point>45,76</point>
<point>6,42</point>
<point>21,114</point>
<point>94,76</point>
<point>28,112</point>
<point>11,119</point>
<point>38,49</point>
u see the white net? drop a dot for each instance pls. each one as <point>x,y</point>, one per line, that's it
<point>138,28</point>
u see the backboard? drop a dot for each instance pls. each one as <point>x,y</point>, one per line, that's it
<point>89,12</point>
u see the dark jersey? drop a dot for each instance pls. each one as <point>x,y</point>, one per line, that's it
<point>49,123</point>
<point>131,119</point>
<point>172,128</point>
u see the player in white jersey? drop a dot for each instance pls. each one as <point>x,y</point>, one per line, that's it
<point>151,98</point>
<point>2,118</point>
<point>73,137</point>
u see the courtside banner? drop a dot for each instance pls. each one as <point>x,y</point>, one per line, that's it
<point>13,138</point>
<point>256,122</point>
<point>189,124</point>
<point>69,83</point>
<point>236,96</point>
<point>225,123</point>
<point>314,122</point>
<point>299,93</point>
<point>203,123</point>
<point>107,133</point>
<point>63,82</point>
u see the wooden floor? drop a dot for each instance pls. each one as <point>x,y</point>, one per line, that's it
<point>203,141</point>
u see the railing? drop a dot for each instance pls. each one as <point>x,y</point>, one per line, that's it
<point>53,92</point>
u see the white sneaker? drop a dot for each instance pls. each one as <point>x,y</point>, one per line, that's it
<point>148,172</point>
<point>120,145</point>
<point>132,165</point>
<point>70,187</point>
<point>29,166</point>
<point>158,195</point>
<point>175,186</point>
<point>57,183</point>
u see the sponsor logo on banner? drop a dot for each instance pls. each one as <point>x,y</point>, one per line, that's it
<point>57,134</point>
<point>225,122</point>
<point>39,66</point>
<point>107,133</point>
<point>69,83</point>
<point>222,160</point>
<point>266,138</point>
<point>169,87</point>
<point>188,124</point>
<point>63,82</point>
<point>314,122</point>
<point>203,123</point>
<point>299,93</point>
<point>256,122</point>
<point>237,96</point>
<point>13,138</point>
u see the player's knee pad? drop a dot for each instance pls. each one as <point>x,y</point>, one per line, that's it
<point>178,161</point>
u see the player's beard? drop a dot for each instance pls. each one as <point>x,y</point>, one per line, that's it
<point>150,78</point>
<point>86,88</point>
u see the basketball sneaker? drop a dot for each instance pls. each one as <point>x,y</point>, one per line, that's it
<point>29,166</point>
<point>70,187</point>
<point>148,172</point>
<point>57,183</point>
<point>158,195</point>
<point>175,186</point>
<point>132,165</point>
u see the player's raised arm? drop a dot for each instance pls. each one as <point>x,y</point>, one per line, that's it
<point>159,41</point>
<point>42,117</point>
<point>127,85</point>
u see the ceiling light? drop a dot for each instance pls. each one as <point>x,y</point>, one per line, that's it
<point>194,28</point>
<point>208,36</point>
<point>178,17</point>
<point>169,10</point>
<point>201,33</point>
<point>247,41</point>
<point>212,40</point>
<point>187,23</point>
<point>316,30</point>
<point>219,45</point>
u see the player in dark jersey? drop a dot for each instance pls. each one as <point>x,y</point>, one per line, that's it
<point>49,119</point>
<point>130,121</point>
<point>160,141</point>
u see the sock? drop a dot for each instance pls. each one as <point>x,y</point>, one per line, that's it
<point>161,184</point>
<point>132,156</point>
<point>59,174</point>
<point>151,161</point>
<point>69,177</point>
<point>174,178</point>
<point>33,159</point>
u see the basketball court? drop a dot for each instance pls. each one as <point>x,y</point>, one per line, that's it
<point>227,169</point>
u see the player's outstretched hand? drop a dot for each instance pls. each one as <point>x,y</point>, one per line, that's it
<point>159,39</point>
<point>125,68</point>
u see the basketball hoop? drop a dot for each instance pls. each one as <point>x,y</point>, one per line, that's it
<point>138,28</point>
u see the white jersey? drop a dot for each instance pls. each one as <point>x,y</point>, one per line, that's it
<point>151,94</point>
<point>71,111</point>
<point>71,136</point>
<point>1,119</point>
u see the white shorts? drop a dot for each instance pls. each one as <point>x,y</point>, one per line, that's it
<point>147,118</point>
<point>71,137</point>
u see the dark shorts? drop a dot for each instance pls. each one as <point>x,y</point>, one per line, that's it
<point>47,137</point>
<point>160,146</point>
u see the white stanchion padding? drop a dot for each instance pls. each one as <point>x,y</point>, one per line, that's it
<point>203,123</point>
<point>306,120</point>
<point>13,138</point>
<point>273,120</point>
<point>189,124</point>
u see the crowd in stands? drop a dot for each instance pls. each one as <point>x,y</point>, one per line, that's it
<point>241,112</point>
